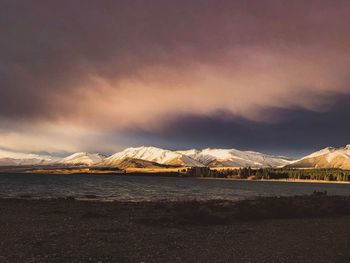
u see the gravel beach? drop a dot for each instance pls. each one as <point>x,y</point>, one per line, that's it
<point>64,230</point>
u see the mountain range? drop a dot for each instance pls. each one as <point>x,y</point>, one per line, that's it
<point>152,157</point>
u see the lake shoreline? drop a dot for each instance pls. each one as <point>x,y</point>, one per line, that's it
<point>272,229</point>
<point>279,180</point>
<point>169,174</point>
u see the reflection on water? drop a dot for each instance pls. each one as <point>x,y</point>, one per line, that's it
<point>142,188</point>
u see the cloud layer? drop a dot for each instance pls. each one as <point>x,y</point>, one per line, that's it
<point>71,71</point>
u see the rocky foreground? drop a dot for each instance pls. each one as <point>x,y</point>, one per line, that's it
<point>285,229</point>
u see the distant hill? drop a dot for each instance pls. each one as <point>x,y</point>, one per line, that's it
<point>11,158</point>
<point>82,158</point>
<point>8,162</point>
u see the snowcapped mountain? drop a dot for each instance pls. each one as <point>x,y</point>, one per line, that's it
<point>206,157</point>
<point>10,158</point>
<point>152,154</point>
<point>326,158</point>
<point>82,158</point>
<point>148,157</point>
<point>235,158</point>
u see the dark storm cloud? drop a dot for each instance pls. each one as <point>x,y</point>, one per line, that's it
<point>48,47</point>
<point>297,132</point>
<point>96,66</point>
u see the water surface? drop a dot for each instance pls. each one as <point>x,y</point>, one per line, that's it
<point>151,188</point>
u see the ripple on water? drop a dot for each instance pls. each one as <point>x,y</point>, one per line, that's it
<point>136,189</point>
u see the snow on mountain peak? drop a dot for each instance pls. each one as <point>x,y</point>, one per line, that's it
<point>18,155</point>
<point>154,154</point>
<point>221,154</point>
<point>321,152</point>
<point>17,158</point>
<point>329,157</point>
<point>235,158</point>
<point>188,152</point>
<point>82,158</point>
<point>147,153</point>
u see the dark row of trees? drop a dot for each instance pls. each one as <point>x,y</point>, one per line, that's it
<point>283,173</point>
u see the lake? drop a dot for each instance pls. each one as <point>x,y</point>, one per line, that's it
<point>152,188</point>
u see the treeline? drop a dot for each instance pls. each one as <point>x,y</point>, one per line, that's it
<point>283,173</point>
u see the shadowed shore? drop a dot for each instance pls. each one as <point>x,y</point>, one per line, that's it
<point>272,229</point>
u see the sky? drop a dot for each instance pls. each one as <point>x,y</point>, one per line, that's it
<point>271,76</point>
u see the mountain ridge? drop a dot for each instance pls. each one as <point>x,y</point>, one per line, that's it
<point>236,158</point>
<point>150,156</point>
<point>153,154</point>
<point>329,157</point>
<point>11,158</point>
